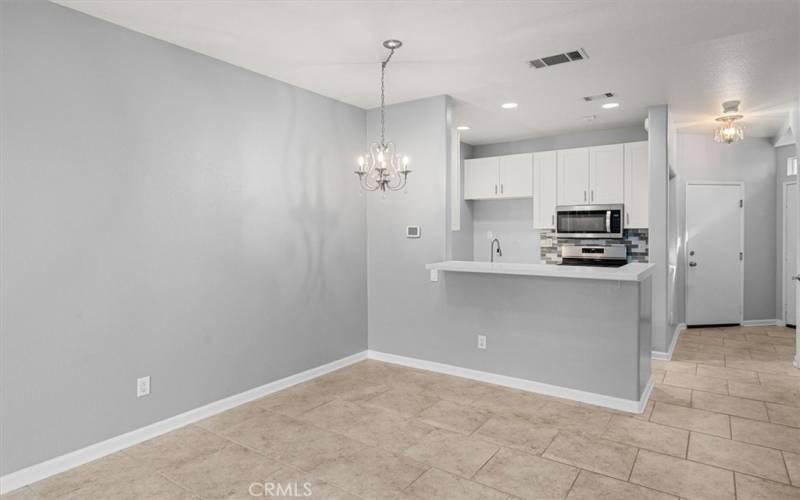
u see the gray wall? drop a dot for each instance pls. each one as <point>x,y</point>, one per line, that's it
<point>751,161</point>
<point>658,239</point>
<point>461,240</point>
<point>564,141</point>
<point>163,214</point>
<point>533,329</point>
<point>781,155</point>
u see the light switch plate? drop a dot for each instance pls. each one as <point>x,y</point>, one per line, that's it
<point>413,232</point>
<point>142,386</point>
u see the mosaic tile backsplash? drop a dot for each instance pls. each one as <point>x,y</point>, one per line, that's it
<point>634,239</point>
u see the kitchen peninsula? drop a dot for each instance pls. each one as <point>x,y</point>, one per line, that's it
<point>579,332</point>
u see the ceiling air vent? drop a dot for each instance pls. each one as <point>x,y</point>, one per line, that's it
<point>573,55</point>
<point>598,97</point>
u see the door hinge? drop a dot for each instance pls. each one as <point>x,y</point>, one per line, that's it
<point>741,203</point>
<point>741,255</point>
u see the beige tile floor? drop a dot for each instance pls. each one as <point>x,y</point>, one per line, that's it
<point>723,423</point>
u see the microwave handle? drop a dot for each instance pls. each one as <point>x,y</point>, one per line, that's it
<point>608,221</point>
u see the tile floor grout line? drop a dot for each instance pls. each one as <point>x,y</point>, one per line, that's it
<point>786,466</point>
<point>486,462</point>
<point>630,473</point>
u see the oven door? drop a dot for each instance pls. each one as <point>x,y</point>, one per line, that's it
<point>589,221</point>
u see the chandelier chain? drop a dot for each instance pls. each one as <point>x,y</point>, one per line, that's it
<point>383,89</point>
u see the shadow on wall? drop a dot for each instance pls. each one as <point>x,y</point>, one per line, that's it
<point>299,198</point>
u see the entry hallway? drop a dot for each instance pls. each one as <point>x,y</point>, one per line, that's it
<point>723,422</point>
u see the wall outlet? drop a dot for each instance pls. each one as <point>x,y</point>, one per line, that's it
<point>142,386</point>
<point>481,341</point>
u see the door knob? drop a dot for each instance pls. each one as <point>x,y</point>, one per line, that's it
<point>692,264</point>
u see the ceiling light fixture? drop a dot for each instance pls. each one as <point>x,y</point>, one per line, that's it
<point>509,105</point>
<point>610,105</point>
<point>729,132</point>
<point>382,167</point>
<point>462,127</point>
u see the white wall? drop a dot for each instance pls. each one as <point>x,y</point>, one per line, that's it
<point>751,161</point>
<point>563,141</point>
<point>510,221</point>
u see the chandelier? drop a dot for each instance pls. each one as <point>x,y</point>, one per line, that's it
<point>382,167</point>
<point>729,131</point>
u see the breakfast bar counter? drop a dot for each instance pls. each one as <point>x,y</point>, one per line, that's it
<point>634,271</point>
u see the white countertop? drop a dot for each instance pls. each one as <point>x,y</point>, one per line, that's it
<point>634,271</point>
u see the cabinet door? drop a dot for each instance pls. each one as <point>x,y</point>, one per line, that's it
<point>545,175</point>
<point>573,176</point>
<point>481,178</point>
<point>606,174</point>
<point>516,176</point>
<point>637,185</point>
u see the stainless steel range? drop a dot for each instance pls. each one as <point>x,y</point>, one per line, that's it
<point>594,255</point>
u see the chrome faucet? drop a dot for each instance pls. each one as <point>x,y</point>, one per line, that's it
<point>491,251</point>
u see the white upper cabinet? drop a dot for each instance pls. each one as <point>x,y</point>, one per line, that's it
<point>606,174</point>
<point>573,176</point>
<point>637,185</point>
<point>545,175</point>
<point>499,177</point>
<point>516,176</point>
<point>481,178</point>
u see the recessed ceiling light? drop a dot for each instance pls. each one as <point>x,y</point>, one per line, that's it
<point>509,105</point>
<point>610,105</point>
<point>462,127</point>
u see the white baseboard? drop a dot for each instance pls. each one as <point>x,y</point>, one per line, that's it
<point>40,471</point>
<point>615,403</point>
<point>666,356</point>
<point>762,322</point>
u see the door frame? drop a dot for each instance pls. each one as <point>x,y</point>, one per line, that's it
<point>785,186</point>
<point>685,252</point>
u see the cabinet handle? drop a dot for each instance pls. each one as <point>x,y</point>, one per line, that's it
<point>495,189</point>
<point>627,218</point>
<point>584,195</point>
<point>553,219</point>
<point>501,189</point>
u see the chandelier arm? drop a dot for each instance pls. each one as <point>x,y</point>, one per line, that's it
<point>365,184</point>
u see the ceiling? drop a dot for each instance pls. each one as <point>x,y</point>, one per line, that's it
<point>690,54</point>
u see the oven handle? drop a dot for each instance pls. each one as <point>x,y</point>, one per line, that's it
<point>608,221</point>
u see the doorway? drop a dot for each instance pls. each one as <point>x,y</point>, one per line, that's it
<point>789,253</point>
<point>714,253</point>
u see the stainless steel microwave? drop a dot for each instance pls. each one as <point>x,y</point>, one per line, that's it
<point>589,221</point>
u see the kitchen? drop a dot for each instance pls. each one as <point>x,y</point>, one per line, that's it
<point>569,226</point>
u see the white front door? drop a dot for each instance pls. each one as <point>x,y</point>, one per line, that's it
<point>714,239</point>
<point>790,252</point>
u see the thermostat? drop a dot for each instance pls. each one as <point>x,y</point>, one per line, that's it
<point>413,232</point>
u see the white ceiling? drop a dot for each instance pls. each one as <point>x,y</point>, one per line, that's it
<point>690,54</point>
